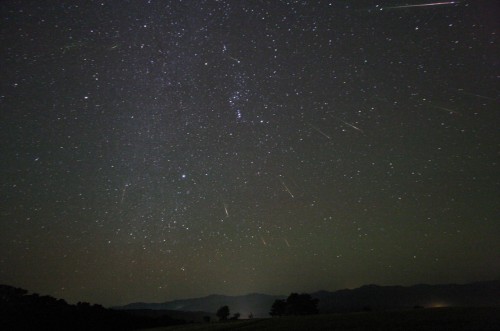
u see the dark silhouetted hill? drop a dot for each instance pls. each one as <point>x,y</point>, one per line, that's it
<point>258,304</point>
<point>22,311</point>
<point>369,297</point>
<point>373,297</point>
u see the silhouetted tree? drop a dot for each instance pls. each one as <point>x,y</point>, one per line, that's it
<point>206,319</point>
<point>83,305</point>
<point>223,313</point>
<point>250,316</point>
<point>278,308</point>
<point>235,317</point>
<point>295,304</point>
<point>301,304</point>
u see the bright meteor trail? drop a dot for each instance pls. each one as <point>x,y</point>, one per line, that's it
<point>287,189</point>
<point>425,4</point>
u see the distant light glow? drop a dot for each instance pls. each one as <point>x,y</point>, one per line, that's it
<point>439,304</point>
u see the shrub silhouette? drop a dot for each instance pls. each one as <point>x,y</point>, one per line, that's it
<point>295,304</point>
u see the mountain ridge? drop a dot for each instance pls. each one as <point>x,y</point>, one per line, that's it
<point>366,297</point>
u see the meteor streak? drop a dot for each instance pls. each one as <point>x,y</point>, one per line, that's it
<point>478,95</point>
<point>352,126</point>
<point>234,59</point>
<point>425,4</point>
<point>315,128</point>
<point>225,209</point>
<point>286,242</point>
<point>447,109</point>
<point>287,189</point>
<point>123,193</point>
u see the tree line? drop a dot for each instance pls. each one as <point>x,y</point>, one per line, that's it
<point>22,311</point>
<point>295,304</point>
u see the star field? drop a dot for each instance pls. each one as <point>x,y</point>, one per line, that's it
<point>154,150</point>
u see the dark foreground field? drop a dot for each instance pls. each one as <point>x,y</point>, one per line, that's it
<point>456,319</point>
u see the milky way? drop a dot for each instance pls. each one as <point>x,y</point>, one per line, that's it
<point>154,150</point>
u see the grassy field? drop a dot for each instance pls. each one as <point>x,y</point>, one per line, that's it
<point>456,319</point>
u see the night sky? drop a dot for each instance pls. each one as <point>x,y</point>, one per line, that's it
<point>157,150</point>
